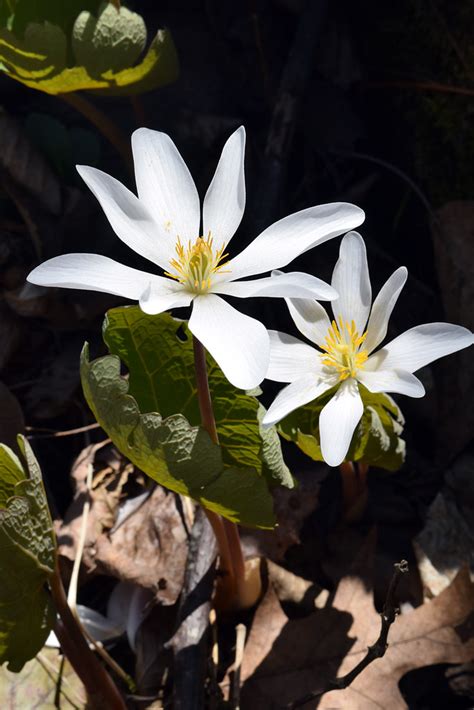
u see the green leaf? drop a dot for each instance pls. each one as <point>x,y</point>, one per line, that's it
<point>174,453</point>
<point>27,554</point>
<point>376,440</point>
<point>113,40</point>
<point>158,352</point>
<point>107,47</point>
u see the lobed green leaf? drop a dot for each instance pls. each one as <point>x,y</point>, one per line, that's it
<point>106,46</point>
<point>376,440</point>
<point>171,451</point>
<point>27,558</point>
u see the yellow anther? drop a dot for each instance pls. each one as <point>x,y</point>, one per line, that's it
<point>343,350</point>
<point>196,263</point>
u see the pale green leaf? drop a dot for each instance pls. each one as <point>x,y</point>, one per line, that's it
<point>376,440</point>
<point>27,554</point>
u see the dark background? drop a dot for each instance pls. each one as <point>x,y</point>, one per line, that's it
<point>364,102</point>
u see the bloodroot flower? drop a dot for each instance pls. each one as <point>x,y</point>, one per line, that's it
<point>163,224</point>
<point>346,354</point>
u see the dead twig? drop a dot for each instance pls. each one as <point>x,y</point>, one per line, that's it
<point>377,650</point>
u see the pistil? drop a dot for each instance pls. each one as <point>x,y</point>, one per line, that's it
<point>196,263</point>
<point>343,350</point>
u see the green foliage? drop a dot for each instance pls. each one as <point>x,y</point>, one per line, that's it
<point>158,352</point>
<point>27,546</point>
<point>177,455</point>
<point>46,50</point>
<point>376,440</point>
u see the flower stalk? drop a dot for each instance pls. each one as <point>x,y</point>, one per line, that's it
<point>232,563</point>
<point>101,690</point>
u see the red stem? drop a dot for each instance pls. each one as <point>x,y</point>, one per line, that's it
<point>101,690</point>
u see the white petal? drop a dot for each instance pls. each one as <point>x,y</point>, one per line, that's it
<point>294,285</point>
<point>391,381</point>
<point>419,346</point>
<point>154,301</point>
<point>310,318</point>
<point>238,343</point>
<point>295,395</point>
<point>224,203</point>
<point>92,272</point>
<point>165,185</point>
<point>338,420</point>
<point>283,241</point>
<point>290,358</point>
<point>351,280</point>
<point>382,308</point>
<point>128,217</point>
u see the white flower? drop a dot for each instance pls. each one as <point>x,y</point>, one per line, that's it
<point>164,225</point>
<point>346,344</point>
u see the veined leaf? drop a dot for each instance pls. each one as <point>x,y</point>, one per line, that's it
<point>376,440</point>
<point>107,47</point>
<point>112,41</point>
<point>158,352</point>
<point>27,553</point>
<point>170,450</point>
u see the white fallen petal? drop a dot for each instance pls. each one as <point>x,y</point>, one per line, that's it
<point>351,280</point>
<point>338,420</point>
<point>239,344</point>
<point>283,241</point>
<point>165,185</point>
<point>128,217</point>
<point>93,272</point>
<point>398,381</point>
<point>292,285</point>
<point>419,346</point>
<point>300,392</point>
<point>290,358</point>
<point>224,202</point>
<point>382,308</point>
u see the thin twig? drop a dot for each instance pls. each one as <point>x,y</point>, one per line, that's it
<point>54,434</point>
<point>377,650</point>
<point>240,633</point>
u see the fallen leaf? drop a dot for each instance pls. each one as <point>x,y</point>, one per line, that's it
<point>35,686</point>
<point>286,659</point>
<point>146,546</point>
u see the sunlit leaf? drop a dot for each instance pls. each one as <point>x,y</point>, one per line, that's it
<point>101,52</point>
<point>376,440</point>
<point>158,352</point>
<point>170,450</point>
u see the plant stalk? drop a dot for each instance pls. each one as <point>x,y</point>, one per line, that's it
<point>101,689</point>
<point>226,532</point>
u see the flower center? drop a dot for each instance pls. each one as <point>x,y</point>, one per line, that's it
<point>195,264</point>
<point>343,349</point>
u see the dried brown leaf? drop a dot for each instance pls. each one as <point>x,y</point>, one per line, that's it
<point>148,548</point>
<point>286,659</point>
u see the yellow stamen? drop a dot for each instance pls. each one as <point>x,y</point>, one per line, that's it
<point>196,263</point>
<point>343,350</point>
